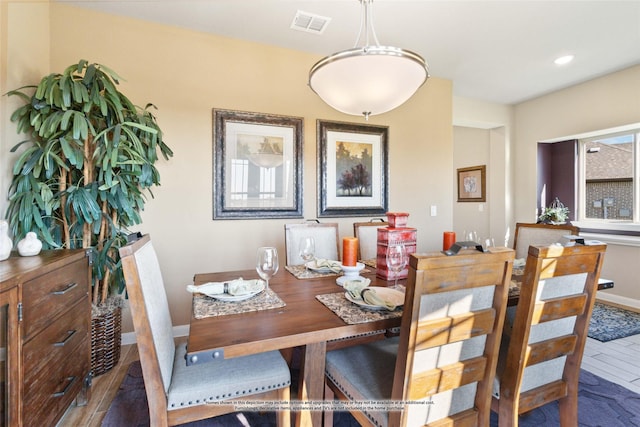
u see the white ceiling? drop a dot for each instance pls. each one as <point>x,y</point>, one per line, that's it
<point>496,51</point>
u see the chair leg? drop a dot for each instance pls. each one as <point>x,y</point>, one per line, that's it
<point>568,408</point>
<point>328,414</point>
<point>283,418</point>
<point>507,415</point>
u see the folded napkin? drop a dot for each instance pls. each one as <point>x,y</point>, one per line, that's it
<point>360,289</point>
<point>519,262</point>
<point>233,287</point>
<point>355,287</point>
<point>334,266</point>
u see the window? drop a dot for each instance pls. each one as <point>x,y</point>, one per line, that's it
<point>608,183</point>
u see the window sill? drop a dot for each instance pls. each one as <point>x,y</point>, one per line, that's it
<point>613,233</point>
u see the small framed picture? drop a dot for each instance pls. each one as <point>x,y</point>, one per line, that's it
<point>472,184</point>
<point>353,169</point>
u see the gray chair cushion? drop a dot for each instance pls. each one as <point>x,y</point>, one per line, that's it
<point>225,379</point>
<point>365,372</point>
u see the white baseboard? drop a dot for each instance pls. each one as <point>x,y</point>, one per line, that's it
<point>617,299</point>
<point>178,331</point>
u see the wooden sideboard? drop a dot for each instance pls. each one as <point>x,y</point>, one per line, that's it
<point>45,334</point>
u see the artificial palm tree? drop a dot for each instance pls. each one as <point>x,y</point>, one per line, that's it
<point>85,168</point>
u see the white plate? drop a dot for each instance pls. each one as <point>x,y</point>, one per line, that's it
<point>311,265</point>
<point>233,298</point>
<point>392,295</point>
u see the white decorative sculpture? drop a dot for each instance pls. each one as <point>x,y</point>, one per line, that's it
<point>6,244</point>
<point>30,245</point>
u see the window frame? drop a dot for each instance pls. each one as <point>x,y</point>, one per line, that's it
<point>608,226</point>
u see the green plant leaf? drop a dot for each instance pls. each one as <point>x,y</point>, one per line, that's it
<point>89,74</point>
<point>80,129</point>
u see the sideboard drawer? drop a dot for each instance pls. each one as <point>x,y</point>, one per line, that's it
<point>58,341</point>
<point>49,392</point>
<point>45,297</point>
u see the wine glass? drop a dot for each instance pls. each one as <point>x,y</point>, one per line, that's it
<point>267,264</point>
<point>471,236</point>
<point>487,243</point>
<point>307,248</point>
<point>396,259</point>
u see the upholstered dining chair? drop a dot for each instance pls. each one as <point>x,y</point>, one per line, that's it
<point>528,234</point>
<point>178,393</point>
<point>540,357</point>
<point>367,234</point>
<point>325,236</point>
<point>444,360</point>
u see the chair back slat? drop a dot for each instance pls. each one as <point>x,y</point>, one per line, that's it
<point>565,266</point>
<point>448,349</point>
<point>447,378</point>
<point>558,308</point>
<point>459,275</point>
<point>552,348</point>
<point>450,329</point>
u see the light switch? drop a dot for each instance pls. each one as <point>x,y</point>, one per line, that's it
<point>434,210</point>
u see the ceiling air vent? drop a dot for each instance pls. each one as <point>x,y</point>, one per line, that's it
<point>310,23</point>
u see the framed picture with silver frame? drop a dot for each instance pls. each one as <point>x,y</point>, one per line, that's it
<point>257,165</point>
<point>353,169</point>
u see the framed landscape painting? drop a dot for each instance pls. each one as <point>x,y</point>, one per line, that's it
<point>353,169</point>
<point>257,165</point>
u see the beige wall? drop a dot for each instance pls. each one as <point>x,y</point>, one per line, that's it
<point>24,59</point>
<point>471,148</point>
<point>603,103</point>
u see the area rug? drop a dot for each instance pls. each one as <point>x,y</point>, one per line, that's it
<point>600,403</point>
<point>611,323</point>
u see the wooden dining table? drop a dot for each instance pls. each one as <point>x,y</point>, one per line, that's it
<point>303,321</point>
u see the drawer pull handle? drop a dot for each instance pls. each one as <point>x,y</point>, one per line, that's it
<point>66,289</point>
<point>66,389</point>
<point>67,338</point>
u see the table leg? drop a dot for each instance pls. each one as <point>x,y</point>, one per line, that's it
<point>311,387</point>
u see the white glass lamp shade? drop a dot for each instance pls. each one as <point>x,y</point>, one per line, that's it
<point>368,80</point>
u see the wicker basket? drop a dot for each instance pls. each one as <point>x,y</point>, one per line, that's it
<point>105,340</point>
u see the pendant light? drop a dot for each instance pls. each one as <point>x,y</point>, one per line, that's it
<point>368,79</point>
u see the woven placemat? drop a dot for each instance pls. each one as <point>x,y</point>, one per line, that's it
<point>352,313</point>
<point>302,272</point>
<point>204,306</point>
